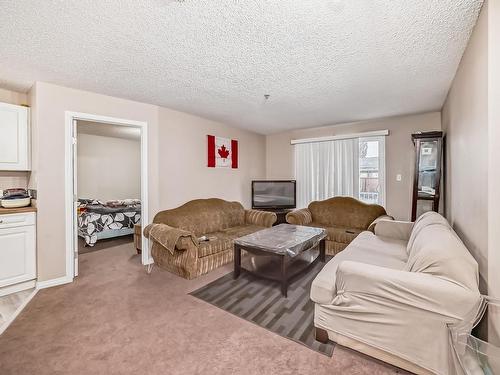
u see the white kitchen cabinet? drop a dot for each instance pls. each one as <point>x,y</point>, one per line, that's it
<point>15,150</point>
<point>17,250</point>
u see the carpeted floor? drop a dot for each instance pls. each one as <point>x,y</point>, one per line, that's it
<point>104,244</point>
<point>260,301</point>
<point>116,319</point>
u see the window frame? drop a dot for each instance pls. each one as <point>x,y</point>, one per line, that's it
<point>378,136</point>
<point>382,167</point>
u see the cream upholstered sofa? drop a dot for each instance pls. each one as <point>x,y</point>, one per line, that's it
<point>343,218</point>
<point>176,234</point>
<point>391,294</point>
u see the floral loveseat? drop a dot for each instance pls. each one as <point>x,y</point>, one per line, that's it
<point>176,234</point>
<point>342,217</point>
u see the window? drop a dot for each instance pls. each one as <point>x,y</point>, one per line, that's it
<point>351,167</point>
<point>372,170</point>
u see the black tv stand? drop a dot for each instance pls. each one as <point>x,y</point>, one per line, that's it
<point>280,212</point>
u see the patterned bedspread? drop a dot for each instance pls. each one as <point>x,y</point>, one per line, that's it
<point>95,217</point>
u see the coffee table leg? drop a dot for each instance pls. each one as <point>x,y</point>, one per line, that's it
<point>237,261</point>
<point>284,278</point>
<point>322,256</point>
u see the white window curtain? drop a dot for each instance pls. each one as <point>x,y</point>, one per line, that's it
<point>326,169</point>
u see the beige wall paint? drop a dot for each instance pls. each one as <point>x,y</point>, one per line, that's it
<point>13,97</point>
<point>108,167</point>
<point>400,153</point>
<point>11,179</point>
<point>49,136</point>
<point>465,121</point>
<point>494,167</point>
<point>183,160</point>
<point>177,143</point>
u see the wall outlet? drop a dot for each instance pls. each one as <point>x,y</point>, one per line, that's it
<point>399,177</point>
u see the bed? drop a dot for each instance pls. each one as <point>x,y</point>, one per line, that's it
<point>98,220</point>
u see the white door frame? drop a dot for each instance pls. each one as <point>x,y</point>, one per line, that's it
<point>70,188</point>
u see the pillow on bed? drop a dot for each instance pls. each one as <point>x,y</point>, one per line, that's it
<point>85,201</point>
<point>122,202</point>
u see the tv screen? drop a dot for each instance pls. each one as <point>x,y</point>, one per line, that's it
<point>273,194</point>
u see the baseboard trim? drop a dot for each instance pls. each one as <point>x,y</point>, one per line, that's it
<point>6,290</point>
<point>21,307</point>
<point>53,282</point>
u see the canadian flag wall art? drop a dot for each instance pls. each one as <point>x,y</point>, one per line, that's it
<point>222,152</point>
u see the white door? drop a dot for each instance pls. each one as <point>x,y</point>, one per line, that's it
<point>14,138</point>
<point>75,200</point>
<point>17,255</point>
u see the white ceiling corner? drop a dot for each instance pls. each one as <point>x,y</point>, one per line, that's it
<point>322,61</point>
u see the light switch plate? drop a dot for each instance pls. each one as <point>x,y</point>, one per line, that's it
<point>399,177</point>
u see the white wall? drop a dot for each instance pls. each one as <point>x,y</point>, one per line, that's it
<point>183,161</point>
<point>49,104</point>
<point>494,167</point>
<point>108,167</point>
<point>465,121</point>
<point>400,153</point>
<point>177,160</point>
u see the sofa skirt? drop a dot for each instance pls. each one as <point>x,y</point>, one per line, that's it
<point>333,248</point>
<point>186,264</point>
<point>376,353</point>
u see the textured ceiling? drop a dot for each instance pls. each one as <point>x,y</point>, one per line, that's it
<point>322,61</point>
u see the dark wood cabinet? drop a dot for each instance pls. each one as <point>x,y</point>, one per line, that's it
<point>428,172</point>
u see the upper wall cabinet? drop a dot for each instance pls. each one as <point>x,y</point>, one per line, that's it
<point>15,152</point>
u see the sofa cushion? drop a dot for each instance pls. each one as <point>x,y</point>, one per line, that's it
<point>437,250</point>
<point>366,248</point>
<point>241,230</point>
<point>424,220</point>
<point>202,216</point>
<point>338,234</point>
<point>223,240</point>
<point>345,212</point>
<point>214,246</point>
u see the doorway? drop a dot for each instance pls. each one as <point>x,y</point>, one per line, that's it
<point>99,214</point>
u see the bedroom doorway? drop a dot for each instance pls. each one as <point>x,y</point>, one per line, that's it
<point>106,185</point>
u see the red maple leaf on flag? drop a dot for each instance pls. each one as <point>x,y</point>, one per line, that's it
<point>223,152</point>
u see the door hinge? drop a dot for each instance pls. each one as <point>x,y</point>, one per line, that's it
<point>74,140</point>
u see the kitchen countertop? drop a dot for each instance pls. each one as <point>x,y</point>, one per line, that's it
<point>20,210</point>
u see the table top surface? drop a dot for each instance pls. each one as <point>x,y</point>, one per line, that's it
<point>19,210</point>
<point>283,239</point>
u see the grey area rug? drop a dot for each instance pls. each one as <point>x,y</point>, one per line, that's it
<point>260,301</point>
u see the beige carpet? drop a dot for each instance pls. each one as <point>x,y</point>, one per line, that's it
<point>116,319</point>
<point>103,244</point>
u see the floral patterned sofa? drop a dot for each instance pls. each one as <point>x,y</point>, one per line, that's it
<point>176,234</point>
<point>342,217</point>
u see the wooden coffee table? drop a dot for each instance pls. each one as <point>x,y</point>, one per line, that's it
<point>285,246</point>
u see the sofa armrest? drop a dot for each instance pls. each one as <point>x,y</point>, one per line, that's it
<point>185,242</point>
<point>170,238</point>
<point>260,218</point>
<point>409,291</point>
<point>371,227</point>
<point>399,230</point>
<point>299,217</point>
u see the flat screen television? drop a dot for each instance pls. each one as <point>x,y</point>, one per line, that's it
<point>279,194</point>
